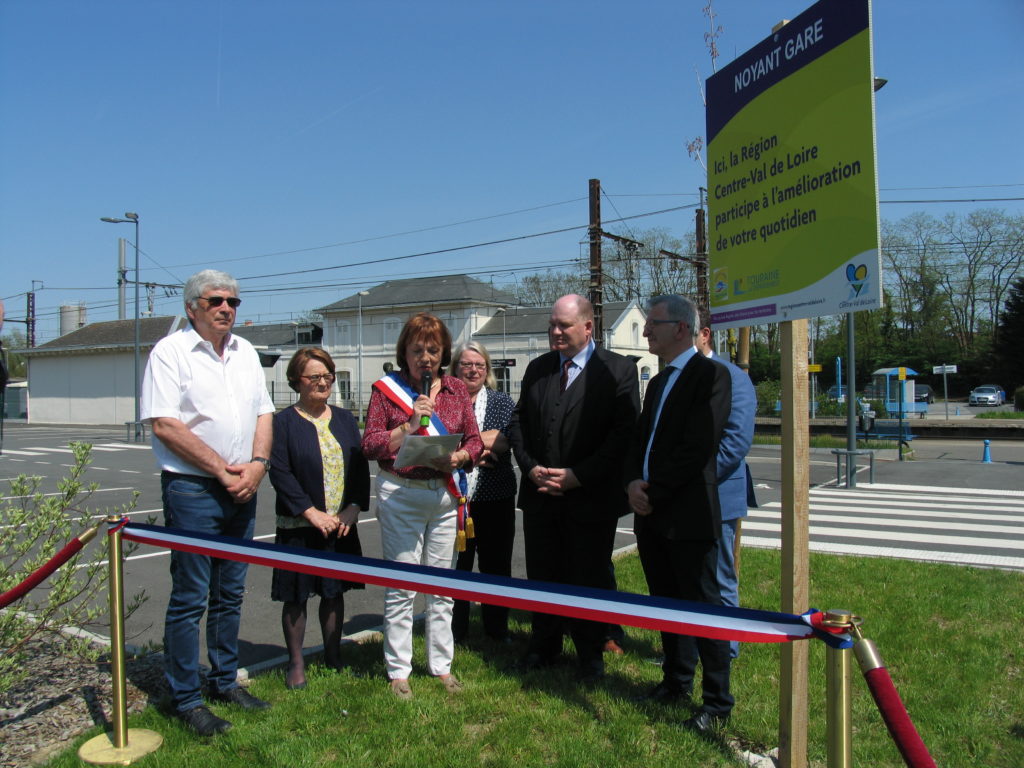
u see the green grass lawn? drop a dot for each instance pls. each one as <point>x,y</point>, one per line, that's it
<point>828,441</point>
<point>1001,415</point>
<point>950,636</point>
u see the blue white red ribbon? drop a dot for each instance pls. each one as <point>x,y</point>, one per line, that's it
<point>678,616</point>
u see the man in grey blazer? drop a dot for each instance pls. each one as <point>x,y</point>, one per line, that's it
<point>577,410</point>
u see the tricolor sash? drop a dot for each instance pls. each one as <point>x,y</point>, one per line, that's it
<point>395,389</point>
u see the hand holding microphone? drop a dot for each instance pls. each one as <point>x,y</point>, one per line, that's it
<point>425,383</point>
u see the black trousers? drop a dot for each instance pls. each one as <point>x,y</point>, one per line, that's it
<point>494,526</point>
<point>687,570</point>
<point>564,550</point>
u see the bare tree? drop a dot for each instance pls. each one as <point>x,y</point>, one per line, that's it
<point>983,256</point>
<point>543,288</point>
<point>911,249</point>
<point>645,271</point>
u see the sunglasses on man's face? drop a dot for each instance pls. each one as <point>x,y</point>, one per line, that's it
<point>216,301</point>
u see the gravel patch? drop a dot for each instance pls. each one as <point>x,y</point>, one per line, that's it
<point>63,696</point>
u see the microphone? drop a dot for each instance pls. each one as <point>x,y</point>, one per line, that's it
<point>425,382</point>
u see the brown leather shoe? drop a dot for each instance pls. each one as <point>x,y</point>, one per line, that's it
<point>610,646</point>
<point>400,688</point>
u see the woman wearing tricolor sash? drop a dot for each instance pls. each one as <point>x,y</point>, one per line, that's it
<point>419,507</point>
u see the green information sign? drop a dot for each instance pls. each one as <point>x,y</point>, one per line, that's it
<point>792,186</point>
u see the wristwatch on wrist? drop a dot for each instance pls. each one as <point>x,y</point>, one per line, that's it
<point>263,461</point>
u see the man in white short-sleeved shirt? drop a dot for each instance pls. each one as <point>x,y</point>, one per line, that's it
<point>206,398</point>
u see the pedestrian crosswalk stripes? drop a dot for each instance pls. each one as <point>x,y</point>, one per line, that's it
<point>955,525</point>
<point>921,523</point>
<point>939,512</point>
<point>944,490</point>
<point>932,501</point>
<point>892,534</point>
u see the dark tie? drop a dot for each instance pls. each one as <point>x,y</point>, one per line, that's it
<point>565,376</point>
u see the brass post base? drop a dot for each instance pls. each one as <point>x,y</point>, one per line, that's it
<point>100,750</point>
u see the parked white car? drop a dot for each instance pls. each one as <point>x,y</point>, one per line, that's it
<point>986,395</point>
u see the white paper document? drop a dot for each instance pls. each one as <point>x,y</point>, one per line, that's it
<point>417,450</point>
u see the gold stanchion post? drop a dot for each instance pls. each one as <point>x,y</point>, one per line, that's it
<point>123,746</point>
<point>837,705</point>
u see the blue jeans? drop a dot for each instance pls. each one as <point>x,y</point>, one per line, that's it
<point>201,584</point>
<point>728,581</point>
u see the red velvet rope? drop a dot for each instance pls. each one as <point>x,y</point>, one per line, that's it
<point>41,573</point>
<point>908,741</point>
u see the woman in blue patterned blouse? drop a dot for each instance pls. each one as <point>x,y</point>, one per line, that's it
<point>492,488</point>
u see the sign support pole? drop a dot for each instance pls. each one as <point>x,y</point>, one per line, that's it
<point>795,549</point>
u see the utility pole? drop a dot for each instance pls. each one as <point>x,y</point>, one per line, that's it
<point>596,285</point>
<point>30,316</point>
<point>596,278</point>
<point>701,263</point>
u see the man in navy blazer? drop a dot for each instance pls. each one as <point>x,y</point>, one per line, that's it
<point>577,409</point>
<point>671,478</point>
<point>735,485</point>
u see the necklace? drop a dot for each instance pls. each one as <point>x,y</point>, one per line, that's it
<point>311,415</point>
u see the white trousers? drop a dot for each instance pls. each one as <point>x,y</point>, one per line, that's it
<point>417,525</point>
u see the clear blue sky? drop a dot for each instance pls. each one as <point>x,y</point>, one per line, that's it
<point>313,130</point>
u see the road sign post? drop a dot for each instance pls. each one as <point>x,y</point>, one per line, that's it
<point>945,370</point>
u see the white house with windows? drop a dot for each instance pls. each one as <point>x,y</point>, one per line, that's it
<point>361,330</point>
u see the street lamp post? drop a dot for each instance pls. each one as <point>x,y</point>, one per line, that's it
<point>505,386</point>
<point>502,311</point>
<point>133,218</point>
<point>359,372</point>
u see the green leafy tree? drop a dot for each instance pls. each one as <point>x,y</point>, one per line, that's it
<point>17,364</point>
<point>33,527</point>
<point>1008,359</point>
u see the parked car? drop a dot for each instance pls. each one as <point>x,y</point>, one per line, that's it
<point>986,395</point>
<point>923,394</point>
<point>837,391</point>
<point>997,388</point>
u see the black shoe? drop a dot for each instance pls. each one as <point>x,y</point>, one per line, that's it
<point>590,677</point>
<point>533,661</point>
<point>706,723</point>
<point>665,693</point>
<point>240,698</point>
<point>203,721</point>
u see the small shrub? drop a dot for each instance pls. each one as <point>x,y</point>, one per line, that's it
<point>769,393</point>
<point>34,526</point>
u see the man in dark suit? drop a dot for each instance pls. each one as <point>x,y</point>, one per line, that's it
<point>672,485</point>
<point>576,412</point>
<point>735,485</point>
